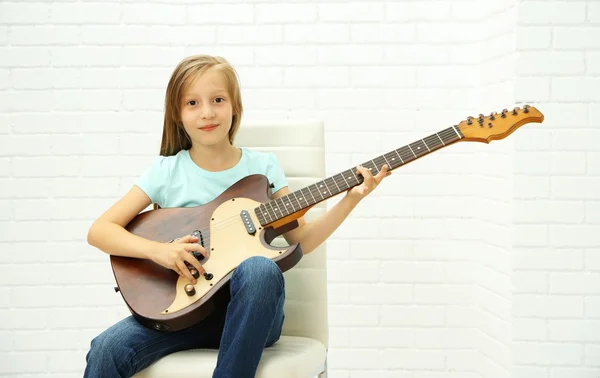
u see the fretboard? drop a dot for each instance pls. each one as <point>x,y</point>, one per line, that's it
<point>293,202</point>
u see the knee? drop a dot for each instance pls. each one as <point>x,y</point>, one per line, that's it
<point>107,349</point>
<point>261,274</point>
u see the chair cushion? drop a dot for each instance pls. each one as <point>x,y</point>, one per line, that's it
<point>291,356</point>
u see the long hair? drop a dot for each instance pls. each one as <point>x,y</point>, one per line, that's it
<point>175,138</point>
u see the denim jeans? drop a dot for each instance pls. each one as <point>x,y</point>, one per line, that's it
<point>251,322</point>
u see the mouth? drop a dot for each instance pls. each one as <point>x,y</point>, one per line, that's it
<point>209,127</point>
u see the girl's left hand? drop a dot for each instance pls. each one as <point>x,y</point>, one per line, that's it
<point>370,182</point>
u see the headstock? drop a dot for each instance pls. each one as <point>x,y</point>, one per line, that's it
<point>498,126</point>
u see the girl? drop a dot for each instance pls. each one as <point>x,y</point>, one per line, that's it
<point>197,162</point>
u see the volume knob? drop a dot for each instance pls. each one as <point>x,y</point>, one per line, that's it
<point>190,290</point>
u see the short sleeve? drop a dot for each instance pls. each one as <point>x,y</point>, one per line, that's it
<point>153,181</point>
<point>275,173</point>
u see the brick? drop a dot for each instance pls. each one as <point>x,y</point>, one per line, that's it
<point>383,33</point>
<point>576,38</point>
<point>86,13</point>
<point>45,35</point>
<point>547,259</point>
<point>550,63</point>
<point>19,13</point>
<point>285,13</point>
<point>254,34</point>
<point>555,12</point>
<point>316,33</point>
<point>578,88</point>
<point>348,12</point>
<point>533,37</point>
<point>167,14</point>
<point>310,76</point>
<point>548,306</point>
<point>220,14</point>
<point>19,56</point>
<point>548,354</point>
<point>573,283</point>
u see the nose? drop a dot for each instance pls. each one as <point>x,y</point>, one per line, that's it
<point>207,111</point>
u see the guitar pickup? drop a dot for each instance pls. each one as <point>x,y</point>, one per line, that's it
<point>248,223</point>
<point>198,234</point>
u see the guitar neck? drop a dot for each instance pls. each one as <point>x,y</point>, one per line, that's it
<point>294,202</point>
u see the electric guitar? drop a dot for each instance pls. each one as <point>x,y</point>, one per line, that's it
<point>243,221</point>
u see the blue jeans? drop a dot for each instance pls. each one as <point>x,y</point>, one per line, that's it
<point>251,322</point>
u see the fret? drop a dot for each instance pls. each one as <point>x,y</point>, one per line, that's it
<point>282,204</point>
<point>379,161</point>
<point>426,145</point>
<point>432,142</point>
<point>387,162</point>
<point>343,178</point>
<point>406,154</point>
<point>456,131</point>
<point>266,214</point>
<point>319,190</point>
<point>448,135</point>
<point>313,197</point>
<point>259,214</point>
<point>303,197</point>
<point>438,135</point>
<point>418,147</point>
<point>273,208</point>
<point>347,173</point>
<point>402,160</point>
<point>297,200</point>
<point>343,183</point>
<point>376,168</point>
<point>290,203</point>
<point>358,181</point>
<point>328,182</point>
<point>411,150</point>
<point>271,211</point>
<point>391,156</point>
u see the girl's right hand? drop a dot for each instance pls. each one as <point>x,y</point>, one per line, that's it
<point>173,255</point>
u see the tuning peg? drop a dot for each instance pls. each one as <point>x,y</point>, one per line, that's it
<point>469,120</point>
<point>515,110</point>
<point>493,116</point>
<point>504,111</point>
<point>525,108</point>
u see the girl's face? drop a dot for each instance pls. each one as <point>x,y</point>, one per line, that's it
<point>206,112</point>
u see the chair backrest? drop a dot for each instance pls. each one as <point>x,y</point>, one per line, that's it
<point>300,149</point>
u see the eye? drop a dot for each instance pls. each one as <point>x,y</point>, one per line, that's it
<point>219,98</point>
<point>192,102</point>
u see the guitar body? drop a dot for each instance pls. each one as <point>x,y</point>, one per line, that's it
<point>156,296</point>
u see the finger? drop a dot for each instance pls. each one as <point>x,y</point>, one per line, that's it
<point>382,173</point>
<point>187,239</point>
<point>366,174</point>
<point>195,247</point>
<point>194,262</point>
<point>186,272</point>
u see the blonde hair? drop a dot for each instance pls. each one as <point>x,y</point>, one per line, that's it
<point>175,138</point>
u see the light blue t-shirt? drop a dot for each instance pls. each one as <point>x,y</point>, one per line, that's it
<point>176,181</point>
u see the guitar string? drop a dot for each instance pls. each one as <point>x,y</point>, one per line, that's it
<point>235,219</point>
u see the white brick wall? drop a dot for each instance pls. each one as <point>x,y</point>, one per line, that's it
<point>555,281</point>
<point>477,261</point>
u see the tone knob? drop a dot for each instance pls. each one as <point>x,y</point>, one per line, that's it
<point>195,273</point>
<point>190,290</point>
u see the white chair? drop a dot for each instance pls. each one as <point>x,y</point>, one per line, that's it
<point>301,352</point>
